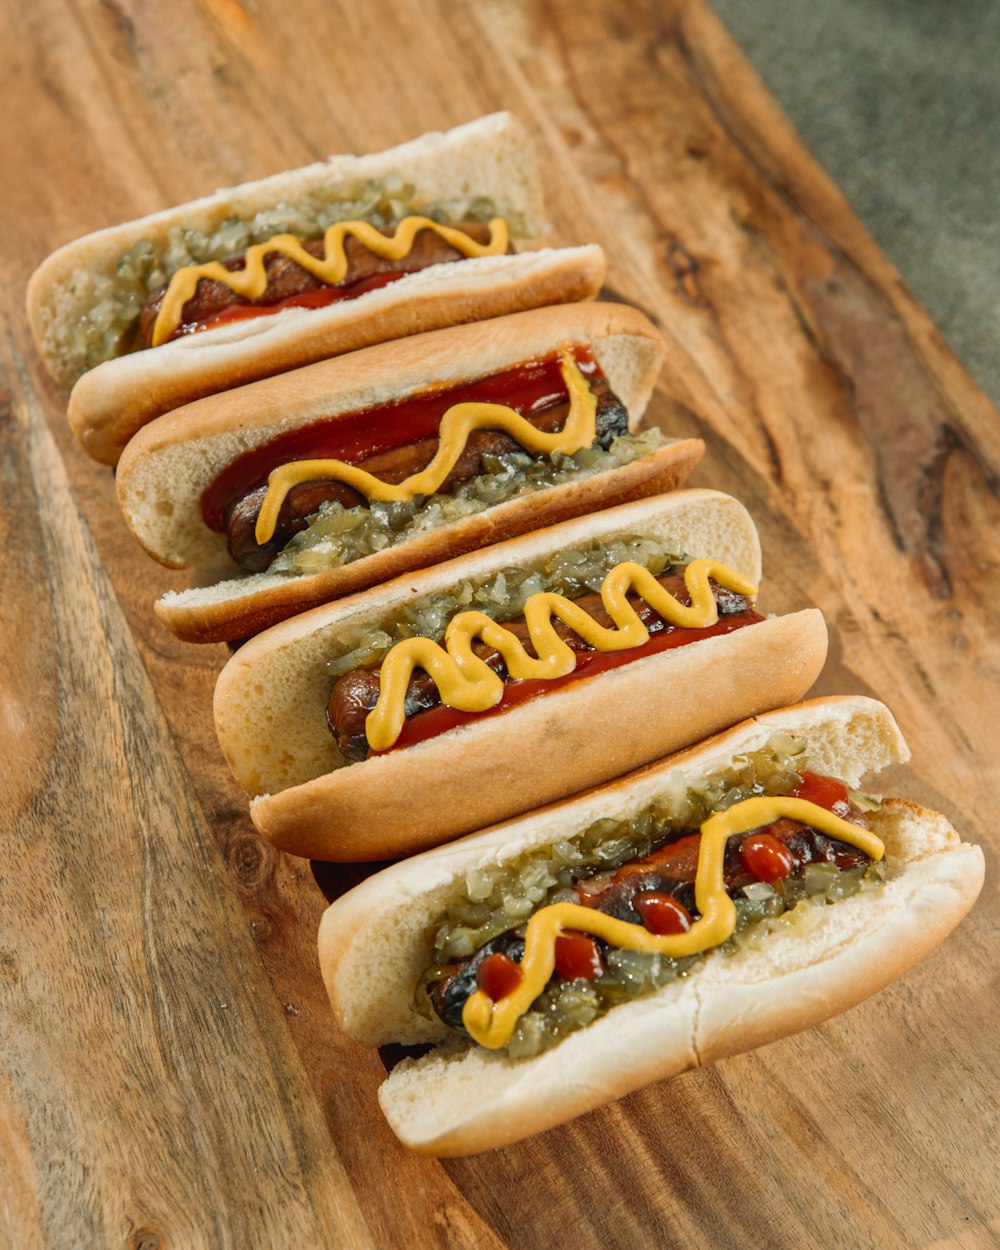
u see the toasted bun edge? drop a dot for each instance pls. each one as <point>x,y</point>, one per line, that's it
<point>170,462</point>
<point>461,1100</point>
<point>115,400</point>
<point>492,155</point>
<point>848,736</point>
<point>277,676</point>
<point>589,732</point>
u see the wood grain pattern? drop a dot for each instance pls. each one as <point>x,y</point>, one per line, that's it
<point>133,1110</point>
<point>150,1084</point>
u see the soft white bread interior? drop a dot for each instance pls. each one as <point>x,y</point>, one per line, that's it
<point>814,963</point>
<point>848,737</point>
<point>168,465</point>
<point>492,156</point>
<point>114,400</point>
<point>277,677</point>
<point>241,607</point>
<point>587,732</point>
<point>271,699</point>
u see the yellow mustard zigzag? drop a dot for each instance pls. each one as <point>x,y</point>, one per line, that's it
<point>458,422</point>
<point>251,281</point>
<point>467,683</point>
<point>492,1023</point>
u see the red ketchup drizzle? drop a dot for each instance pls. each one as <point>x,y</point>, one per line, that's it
<point>306,299</point>
<point>577,955</point>
<point>825,792</point>
<point>355,436</point>
<point>765,855</point>
<point>765,858</point>
<point>437,720</point>
<point>661,913</point>
<point>497,976</point>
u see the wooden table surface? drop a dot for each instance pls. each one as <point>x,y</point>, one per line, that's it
<point>171,1077</point>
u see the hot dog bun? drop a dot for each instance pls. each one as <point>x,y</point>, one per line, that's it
<point>461,1098</point>
<point>168,464</point>
<point>270,701</point>
<point>491,157</point>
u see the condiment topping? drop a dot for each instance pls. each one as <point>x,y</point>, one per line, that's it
<point>491,1022</point>
<point>498,976</point>
<point>661,912</point>
<point>531,387</point>
<point>576,955</point>
<point>422,724</point>
<point>765,858</point>
<point>250,282</point>
<point>321,297</point>
<point>467,683</point>
<point>456,425</point>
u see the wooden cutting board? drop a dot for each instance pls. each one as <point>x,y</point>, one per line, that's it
<point>171,1076</point>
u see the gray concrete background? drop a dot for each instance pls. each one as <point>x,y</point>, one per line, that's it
<point>900,102</point>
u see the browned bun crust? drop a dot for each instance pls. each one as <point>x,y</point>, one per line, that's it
<point>271,698</point>
<point>281,676</point>
<point>817,962</point>
<point>167,466</point>
<point>242,616</point>
<point>941,889</point>
<point>491,157</point>
<point>797,982</point>
<point>588,732</point>
<point>110,403</point>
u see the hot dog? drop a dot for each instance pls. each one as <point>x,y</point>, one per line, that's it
<point>412,452</point>
<point>674,650</point>
<point>706,905</point>
<point>261,278</point>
